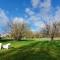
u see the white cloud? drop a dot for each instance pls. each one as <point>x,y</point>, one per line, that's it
<point>38,3</point>
<point>39,24</point>
<point>29,11</point>
<point>3,21</point>
<point>46,4</point>
<point>57,15</point>
<point>18,20</point>
<point>35,3</point>
<point>3,17</point>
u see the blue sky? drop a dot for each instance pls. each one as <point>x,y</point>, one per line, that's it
<point>35,12</point>
<point>14,7</point>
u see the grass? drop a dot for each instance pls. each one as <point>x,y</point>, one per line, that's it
<point>31,50</point>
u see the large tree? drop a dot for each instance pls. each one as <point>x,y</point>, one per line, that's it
<point>52,29</point>
<point>18,29</point>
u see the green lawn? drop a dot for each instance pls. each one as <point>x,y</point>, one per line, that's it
<point>31,50</point>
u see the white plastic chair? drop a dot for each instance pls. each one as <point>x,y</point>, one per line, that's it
<point>7,46</point>
<point>0,45</point>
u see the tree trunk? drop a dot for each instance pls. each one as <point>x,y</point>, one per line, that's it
<point>52,37</point>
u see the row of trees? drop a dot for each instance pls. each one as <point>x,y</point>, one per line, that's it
<point>17,30</point>
<point>22,30</point>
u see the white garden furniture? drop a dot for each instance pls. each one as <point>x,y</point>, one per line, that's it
<point>7,46</point>
<point>0,45</point>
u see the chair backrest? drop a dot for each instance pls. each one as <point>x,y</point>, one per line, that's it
<point>0,45</point>
<point>8,44</point>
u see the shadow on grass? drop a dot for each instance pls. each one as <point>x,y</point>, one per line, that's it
<point>13,50</point>
<point>7,40</point>
<point>29,52</point>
